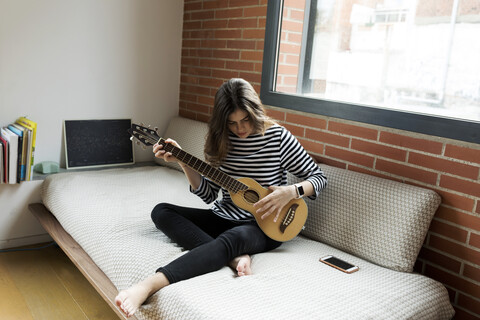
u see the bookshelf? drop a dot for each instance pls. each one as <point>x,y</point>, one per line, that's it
<point>39,176</point>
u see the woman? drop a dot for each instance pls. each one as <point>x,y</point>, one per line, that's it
<point>242,142</point>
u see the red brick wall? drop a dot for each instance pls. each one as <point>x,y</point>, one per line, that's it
<point>224,39</point>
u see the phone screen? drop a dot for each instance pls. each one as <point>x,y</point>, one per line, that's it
<point>339,263</point>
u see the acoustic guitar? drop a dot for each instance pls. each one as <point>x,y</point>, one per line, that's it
<point>245,192</point>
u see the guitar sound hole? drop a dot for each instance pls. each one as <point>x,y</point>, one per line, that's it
<point>251,196</point>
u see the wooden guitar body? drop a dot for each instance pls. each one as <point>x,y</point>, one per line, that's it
<point>290,221</point>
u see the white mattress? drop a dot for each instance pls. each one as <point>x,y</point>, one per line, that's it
<point>108,213</point>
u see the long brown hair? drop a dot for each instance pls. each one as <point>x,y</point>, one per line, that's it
<point>232,95</point>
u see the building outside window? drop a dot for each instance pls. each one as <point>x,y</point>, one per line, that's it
<point>417,57</point>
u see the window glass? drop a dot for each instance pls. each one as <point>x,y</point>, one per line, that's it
<point>418,56</point>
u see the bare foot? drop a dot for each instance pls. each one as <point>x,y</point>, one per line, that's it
<point>131,299</point>
<point>242,265</point>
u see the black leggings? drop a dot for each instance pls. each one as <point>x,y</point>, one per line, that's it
<point>212,241</point>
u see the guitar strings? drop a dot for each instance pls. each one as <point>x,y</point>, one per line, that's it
<point>249,197</point>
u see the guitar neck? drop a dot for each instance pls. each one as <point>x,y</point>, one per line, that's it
<point>203,168</point>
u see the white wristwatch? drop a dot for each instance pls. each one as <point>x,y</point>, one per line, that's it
<point>300,192</point>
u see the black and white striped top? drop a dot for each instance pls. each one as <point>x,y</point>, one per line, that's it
<point>265,158</point>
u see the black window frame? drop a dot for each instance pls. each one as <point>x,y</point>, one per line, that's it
<point>457,129</point>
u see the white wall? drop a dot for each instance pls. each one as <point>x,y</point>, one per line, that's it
<point>88,59</point>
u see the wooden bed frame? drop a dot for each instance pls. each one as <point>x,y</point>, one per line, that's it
<point>79,257</point>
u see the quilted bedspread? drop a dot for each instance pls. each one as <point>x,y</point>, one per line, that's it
<point>108,213</point>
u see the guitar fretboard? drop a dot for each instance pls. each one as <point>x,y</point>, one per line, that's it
<point>200,166</point>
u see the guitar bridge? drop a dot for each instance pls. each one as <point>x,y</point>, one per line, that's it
<point>288,217</point>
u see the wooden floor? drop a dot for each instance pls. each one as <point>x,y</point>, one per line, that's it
<point>44,284</point>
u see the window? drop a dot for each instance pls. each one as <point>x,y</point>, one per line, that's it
<point>406,64</point>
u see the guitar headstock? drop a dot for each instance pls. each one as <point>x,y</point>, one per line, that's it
<point>144,135</point>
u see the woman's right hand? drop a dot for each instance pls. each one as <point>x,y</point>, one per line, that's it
<point>160,152</point>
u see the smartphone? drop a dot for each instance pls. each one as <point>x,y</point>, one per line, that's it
<point>339,264</point>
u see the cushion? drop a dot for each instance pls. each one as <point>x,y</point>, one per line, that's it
<point>189,134</point>
<point>380,220</point>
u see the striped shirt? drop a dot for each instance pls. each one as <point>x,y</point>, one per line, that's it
<point>265,158</point>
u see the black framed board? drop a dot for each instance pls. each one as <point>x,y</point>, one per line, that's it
<point>97,143</point>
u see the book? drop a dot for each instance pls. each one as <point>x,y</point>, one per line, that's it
<point>31,125</point>
<point>28,175</point>
<point>21,152</point>
<point>5,163</point>
<point>26,149</point>
<point>12,140</point>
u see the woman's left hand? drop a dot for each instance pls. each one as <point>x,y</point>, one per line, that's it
<point>275,201</point>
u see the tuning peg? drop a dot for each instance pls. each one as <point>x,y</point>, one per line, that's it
<point>131,138</point>
<point>156,129</point>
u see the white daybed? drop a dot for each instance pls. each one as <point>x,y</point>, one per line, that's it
<point>102,220</point>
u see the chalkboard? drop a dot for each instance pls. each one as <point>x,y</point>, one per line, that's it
<point>96,143</point>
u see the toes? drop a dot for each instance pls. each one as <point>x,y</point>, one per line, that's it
<point>124,309</point>
<point>240,270</point>
<point>118,302</point>
<point>131,311</point>
<point>120,298</point>
<point>123,304</point>
<point>128,308</point>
